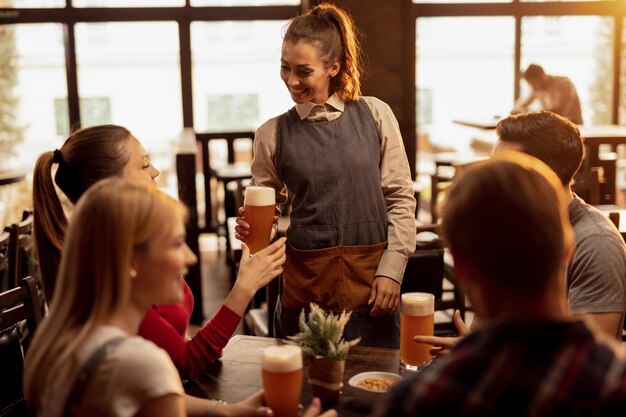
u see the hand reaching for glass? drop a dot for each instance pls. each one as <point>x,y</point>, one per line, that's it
<point>442,345</point>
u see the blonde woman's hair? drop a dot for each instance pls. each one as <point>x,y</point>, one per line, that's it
<point>112,221</point>
<point>332,32</point>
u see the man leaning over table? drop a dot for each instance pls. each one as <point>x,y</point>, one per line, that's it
<point>506,222</point>
<point>554,92</point>
<point>596,276</point>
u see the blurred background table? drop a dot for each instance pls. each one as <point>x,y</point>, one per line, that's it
<point>238,374</point>
<point>601,143</point>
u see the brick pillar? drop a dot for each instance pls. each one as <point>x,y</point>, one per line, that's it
<point>388,43</point>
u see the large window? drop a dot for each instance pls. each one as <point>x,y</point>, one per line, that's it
<point>138,71</point>
<point>466,76</point>
<point>133,69</point>
<point>470,58</point>
<point>229,61</point>
<point>580,48</point>
<point>40,87</point>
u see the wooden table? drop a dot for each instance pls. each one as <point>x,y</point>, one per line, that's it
<point>11,176</point>
<point>238,374</point>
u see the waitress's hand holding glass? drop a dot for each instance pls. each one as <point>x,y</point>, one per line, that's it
<point>255,225</point>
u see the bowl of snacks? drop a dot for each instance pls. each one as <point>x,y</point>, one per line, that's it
<point>368,387</point>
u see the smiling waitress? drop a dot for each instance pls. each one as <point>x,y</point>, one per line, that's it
<point>342,158</point>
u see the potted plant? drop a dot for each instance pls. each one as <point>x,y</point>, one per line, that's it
<point>325,350</point>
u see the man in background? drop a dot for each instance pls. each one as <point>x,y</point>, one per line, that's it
<point>555,93</point>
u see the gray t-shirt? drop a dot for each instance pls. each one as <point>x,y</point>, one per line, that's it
<point>596,277</point>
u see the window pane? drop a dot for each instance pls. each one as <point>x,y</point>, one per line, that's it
<point>464,71</point>
<point>129,74</point>
<point>199,3</point>
<point>622,98</point>
<point>38,63</point>
<point>25,4</point>
<point>543,1</point>
<point>128,3</point>
<point>236,80</point>
<point>578,47</point>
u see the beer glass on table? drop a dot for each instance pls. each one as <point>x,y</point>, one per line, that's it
<point>259,204</point>
<point>416,318</point>
<point>282,379</point>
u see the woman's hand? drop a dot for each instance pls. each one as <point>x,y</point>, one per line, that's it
<point>255,272</point>
<point>258,270</point>
<point>252,406</point>
<point>243,229</point>
<point>442,345</point>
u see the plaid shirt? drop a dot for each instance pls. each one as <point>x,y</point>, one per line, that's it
<point>518,369</point>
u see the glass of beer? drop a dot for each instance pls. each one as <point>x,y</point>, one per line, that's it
<point>259,204</point>
<point>282,379</point>
<point>417,318</point>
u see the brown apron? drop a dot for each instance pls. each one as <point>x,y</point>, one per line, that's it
<point>337,279</point>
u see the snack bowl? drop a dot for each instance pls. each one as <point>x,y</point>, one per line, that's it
<point>369,387</point>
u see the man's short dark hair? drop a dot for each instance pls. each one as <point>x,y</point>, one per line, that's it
<point>534,72</point>
<point>548,137</point>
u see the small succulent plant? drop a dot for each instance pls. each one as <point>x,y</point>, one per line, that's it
<point>322,334</point>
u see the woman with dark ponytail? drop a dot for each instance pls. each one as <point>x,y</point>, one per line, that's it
<point>95,153</point>
<point>88,155</point>
<point>342,158</point>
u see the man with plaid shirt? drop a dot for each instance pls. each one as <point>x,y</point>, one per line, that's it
<point>506,222</point>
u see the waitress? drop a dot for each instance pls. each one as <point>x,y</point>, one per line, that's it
<point>342,158</point>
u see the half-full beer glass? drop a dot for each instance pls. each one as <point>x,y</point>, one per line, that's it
<point>259,204</point>
<point>282,379</point>
<point>417,318</point>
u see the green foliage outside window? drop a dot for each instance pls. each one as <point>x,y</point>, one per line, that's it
<point>11,133</point>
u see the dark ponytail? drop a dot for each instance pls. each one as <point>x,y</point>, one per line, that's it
<point>49,222</point>
<point>87,156</point>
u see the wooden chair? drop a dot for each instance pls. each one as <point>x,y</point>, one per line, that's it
<point>426,271</point>
<point>222,175</point>
<point>21,250</point>
<point>20,314</point>
<point>5,256</point>
<point>587,185</point>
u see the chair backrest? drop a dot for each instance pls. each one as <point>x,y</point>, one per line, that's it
<point>426,271</point>
<point>587,185</point>
<point>203,140</point>
<point>22,261</point>
<point>20,314</point>
<point>5,256</point>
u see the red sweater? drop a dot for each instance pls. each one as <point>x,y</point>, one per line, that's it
<point>166,326</point>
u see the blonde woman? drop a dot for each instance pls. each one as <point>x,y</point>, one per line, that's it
<point>124,252</point>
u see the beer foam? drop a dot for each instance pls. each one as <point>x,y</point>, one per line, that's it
<point>259,196</point>
<point>283,358</point>
<point>418,303</point>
